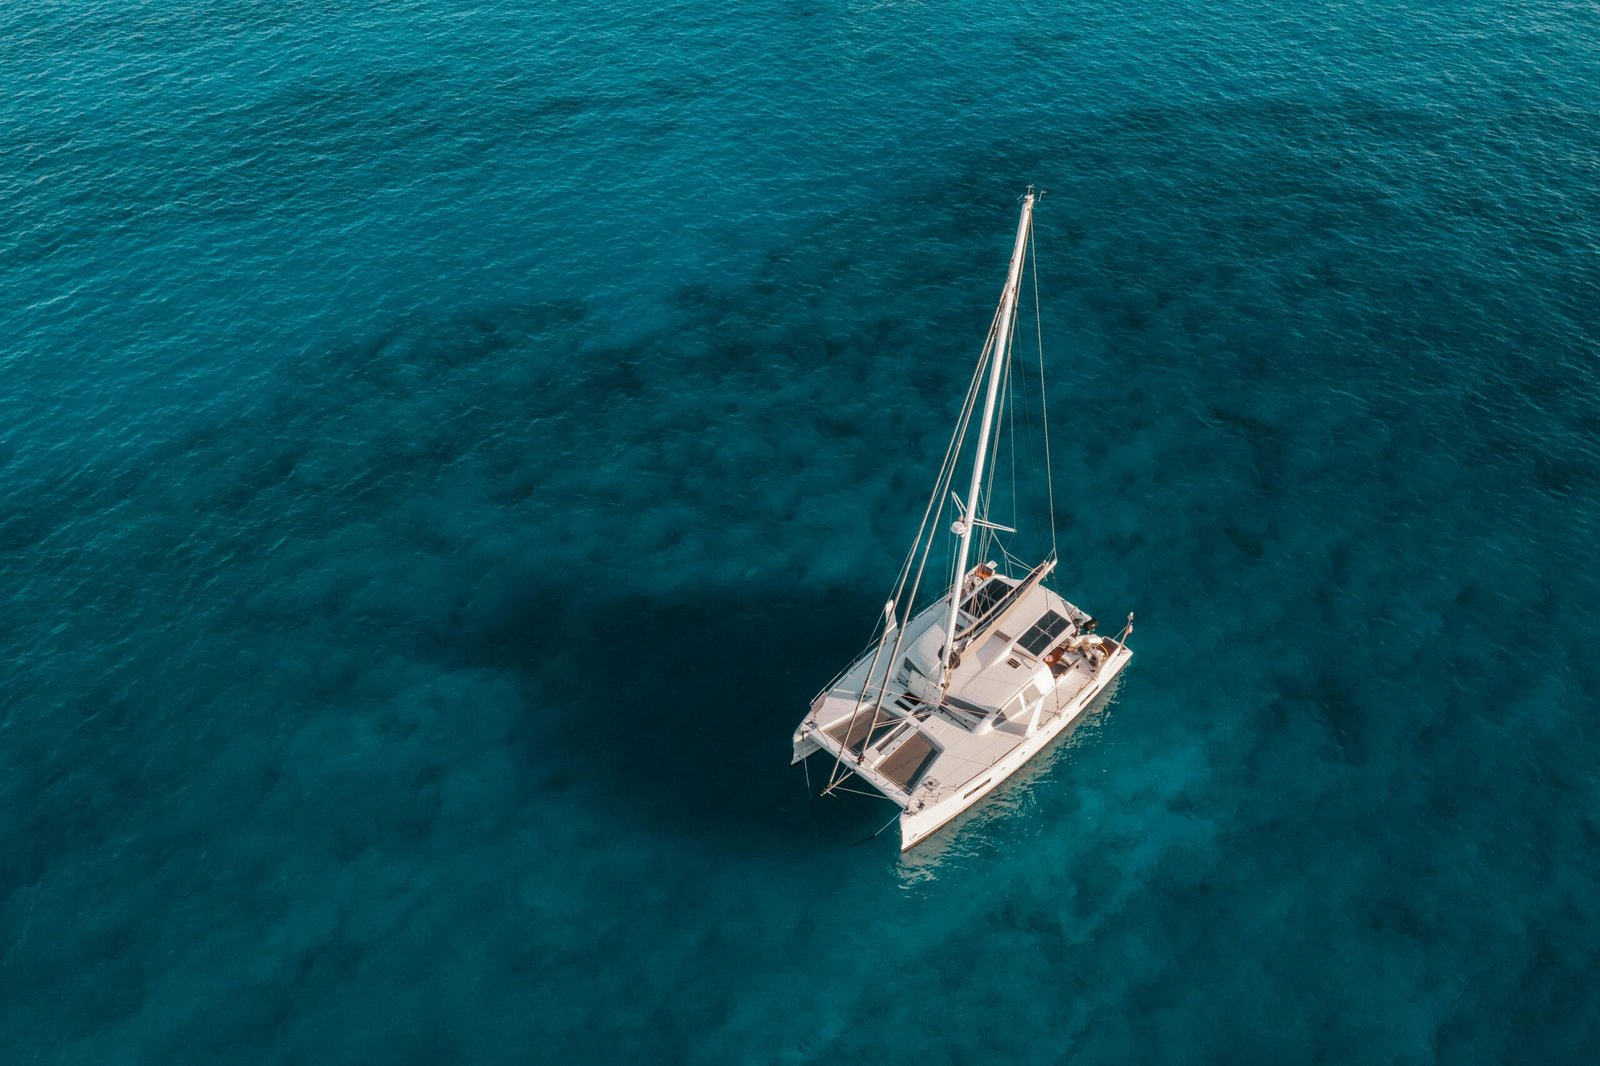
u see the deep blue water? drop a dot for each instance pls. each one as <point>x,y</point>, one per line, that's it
<point>444,445</point>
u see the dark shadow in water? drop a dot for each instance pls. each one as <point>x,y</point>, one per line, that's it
<point>679,712</point>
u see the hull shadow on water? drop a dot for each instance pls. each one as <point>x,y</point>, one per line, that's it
<point>677,713</point>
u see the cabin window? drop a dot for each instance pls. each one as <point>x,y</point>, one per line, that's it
<point>1044,631</point>
<point>1013,707</point>
<point>1021,706</point>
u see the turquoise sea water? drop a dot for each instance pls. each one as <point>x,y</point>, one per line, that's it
<point>444,445</point>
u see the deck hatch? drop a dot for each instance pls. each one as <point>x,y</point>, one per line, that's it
<point>851,731</point>
<point>906,765</point>
<point>1045,630</point>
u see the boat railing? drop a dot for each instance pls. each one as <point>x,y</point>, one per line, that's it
<point>867,653</point>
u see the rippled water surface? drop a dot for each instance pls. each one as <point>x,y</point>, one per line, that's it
<point>444,445</point>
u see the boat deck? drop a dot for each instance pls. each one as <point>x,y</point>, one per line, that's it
<point>920,744</point>
<point>965,755</point>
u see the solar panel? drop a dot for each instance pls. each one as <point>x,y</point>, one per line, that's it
<point>989,593</point>
<point>1045,630</point>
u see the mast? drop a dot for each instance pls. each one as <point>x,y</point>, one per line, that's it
<point>1002,340</point>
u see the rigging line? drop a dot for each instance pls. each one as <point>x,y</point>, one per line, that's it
<point>1029,462</point>
<point>886,825</point>
<point>1010,367</point>
<point>980,505</point>
<point>1029,439</point>
<point>952,453</point>
<point>1044,410</point>
<point>1007,422</point>
<point>869,795</point>
<point>941,489</point>
<point>988,538</point>
<point>857,792</point>
<point>946,477</point>
<point>1011,400</point>
<point>956,441</point>
<point>951,462</point>
<point>946,473</point>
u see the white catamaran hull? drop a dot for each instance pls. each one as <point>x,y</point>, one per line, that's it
<point>929,809</point>
<point>918,825</point>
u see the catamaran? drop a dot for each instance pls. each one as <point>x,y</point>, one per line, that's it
<point>953,697</point>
